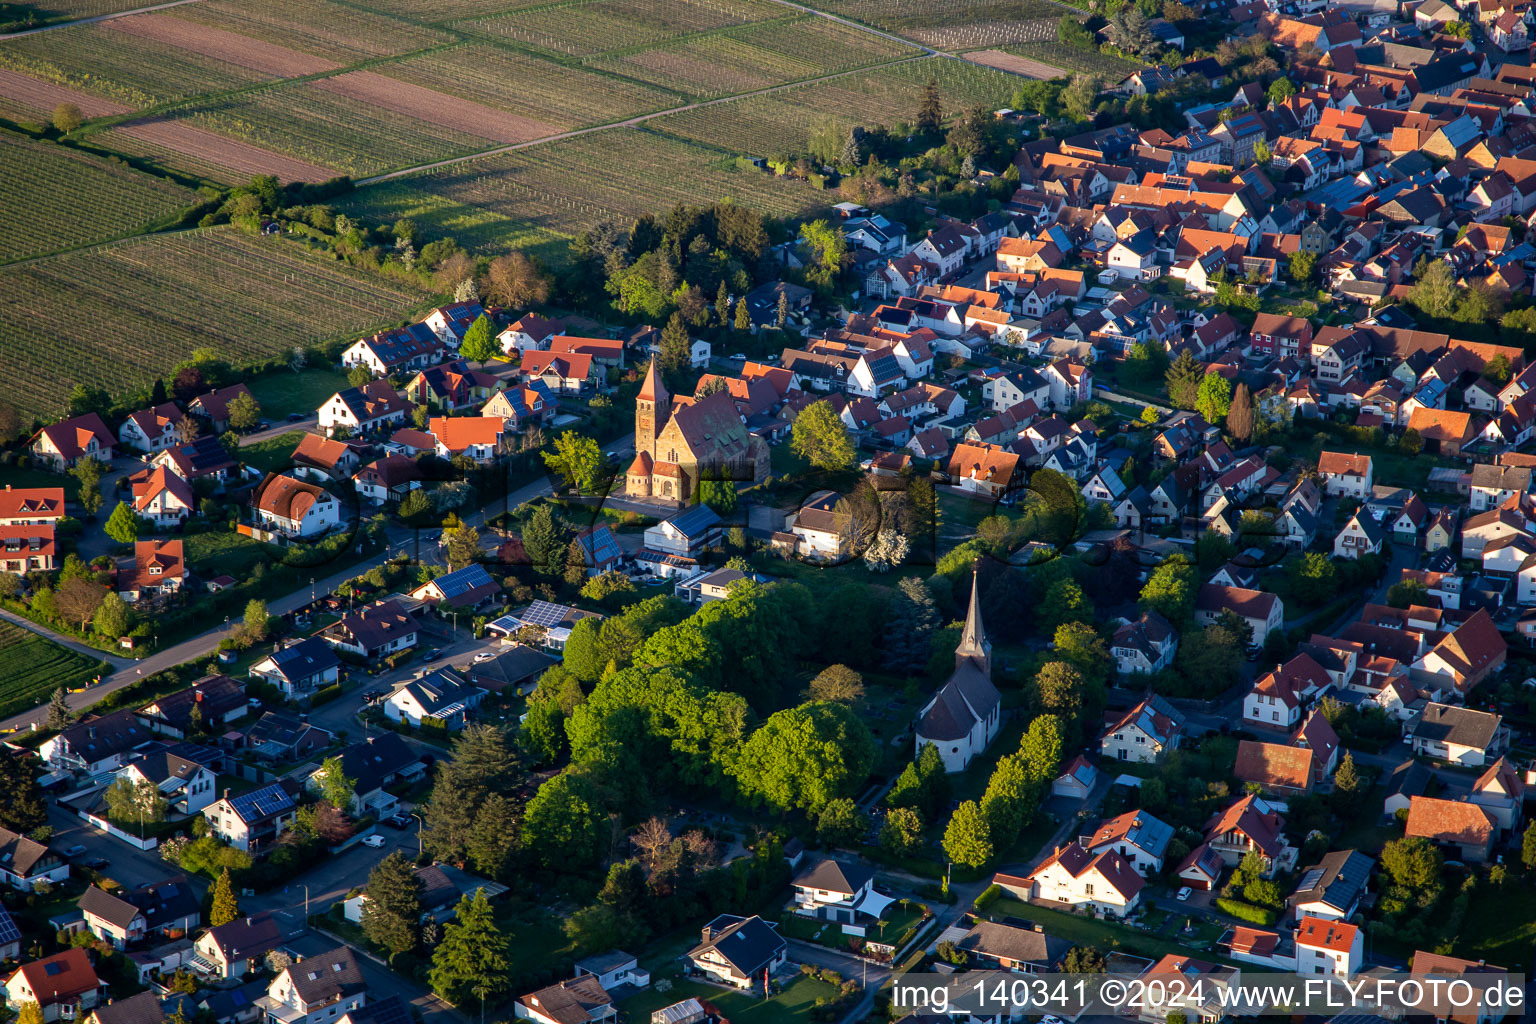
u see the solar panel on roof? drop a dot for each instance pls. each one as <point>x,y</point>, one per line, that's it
<point>542,613</point>
<point>8,930</point>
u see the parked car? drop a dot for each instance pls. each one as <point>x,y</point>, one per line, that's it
<point>74,851</point>
<point>1183,894</point>
<point>398,821</point>
<point>433,654</point>
<point>97,863</point>
<point>253,703</point>
<point>374,841</point>
<point>373,695</point>
<point>484,656</point>
<point>294,417</point>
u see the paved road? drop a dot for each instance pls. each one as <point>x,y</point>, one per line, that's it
<point>93,20</point>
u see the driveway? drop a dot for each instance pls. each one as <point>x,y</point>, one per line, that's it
<point>335,875</point>
<point>126,863</point>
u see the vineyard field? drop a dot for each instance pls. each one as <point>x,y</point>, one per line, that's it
<point>32,667</point>
<point>757,56</point>
<point>781,122</point>
<point>73,198</point>
<point>560,95</point>
<point>16,17</point>
<point>136,71</point>
<point>600,26</point>
<point>248,297</point>
<point>539,198</point>
<point>1075,58</point>
<point>336,31</point>
<point>310,123</point>
<point>956,24</point>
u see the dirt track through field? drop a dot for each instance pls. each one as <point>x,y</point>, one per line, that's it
<point>1004,61</point>
<point>223,152</point>
<point>222,45</point>
<point>44,96</point>
<point>435,107</point>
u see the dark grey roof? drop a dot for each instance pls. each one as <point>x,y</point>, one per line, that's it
<point>372,762</point>
<point>328,976</point>
<point>1409,779</point>
<point>101,904</point>
<point>142,1008</point>
<point>308,657</point>
<point>390,1010</point>
<point>1337,880</point>
<point>1444,723</point>
<point>746,943</point>
<point>835,876</point>
<point>1019,944</point>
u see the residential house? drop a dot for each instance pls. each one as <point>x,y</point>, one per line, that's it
<point>184,775</point>
<point>1345,474</point>
<point>739,951</point>
<point>204,458</point>
<point>299,668</point>
<point>370,409</point>
<point>1143,733</point>
<point>831,890</point>
<point>1362,535</point>
<point>1251,825</point>
<point>26,863</point>
<point>1464,829</point>
<point>206,706</point>
<point>24,549</point>
<point>399,350</point>
<point>374,632</point>
<point>374,763</point>
<point>1458,735</point>
<point>163,498</point>
<point>213,406</point>
<point>561,373</point>
<point>1501,792</point>
<point>315,989</point>
<point>1328,946</point>
<point>388,479</point>
<point>96,744</point>
<point>64,986</point>
<point>31,506</point>
<point>1144,646</point>
<point>65,443</point>
<point>1104,883</point>
<point>1332,888</point>
<point>1138,836</point>
<point>293,508</point>
<point>468,588</point>
<point>229,951</point>
<point>1077,779</point>
<point>1459,661</point>
<point>1262,611</point>
<point>1276,768</point>
<point>152,429</point>
<point>993,945</point>
<point>161,908</point>
<point>159,567</point>
<point>253,820</point>
<point>578,1000</point>
<point>319,458</point>
<point>475,437</point>
<point>439,695</point>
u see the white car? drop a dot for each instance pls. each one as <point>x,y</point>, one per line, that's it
<point>374,841</point>
<point>484,656</point>
<point>1183,894</point>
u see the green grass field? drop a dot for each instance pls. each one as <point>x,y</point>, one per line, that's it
<point>249,298</point>
<point>32,667</point>
<point>218,554</point>
<point>283,392</point>
<point>273,454</point>
<point>792,1004</point>
<point>71,198</point>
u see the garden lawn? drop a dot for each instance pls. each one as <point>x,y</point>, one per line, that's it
<point>1087,931</point>
<point>1500,926</point>
<point>13,476</point>
<point>282,393</point>
<point>792,1004</point>
<point>274,454</point>
<point>224,554</point>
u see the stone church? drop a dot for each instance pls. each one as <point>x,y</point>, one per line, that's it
<point>679,439</point>
<point>965,714</point>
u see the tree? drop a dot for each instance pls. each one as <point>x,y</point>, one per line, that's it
<point>930,111</point>
<point>902,831</point>
<point>676,346</point>
<point>826,251</point>
<point>1170,591</point>
<point>576,564</point>
<point>244,412</point>
<point>257,624</point>
<point>416,505</point>
<point>1435,290</point>
<point>462,545</point>
<point>479,342</point>
<point>565,826</point>
<point>841,822</point>
<point>1348,786</point>
<point>67,117</point>
<point>743,315</point>
<point>59,713</point>
<point>1183,379</point>
<point>1497,369</point>
<point>1410,442</point>
<point>544,540</point>
<point>335,787</point>
<point>123,525</point>
<point>968,837</point>
<point>1314,578</point>
<point>1065,601</point>
<point>1078,97</point>
<point>1280,90</point>
<point>359,375</point>
<point>1412,863</point>
<point>804,757</point>
<point>224,907</point>
<point>21,798</point>
<point>29,1012</point>
<point>1214,397</point>
<point>1084,960</point>
<point>1302,265</point>
<point>77,600</point>
<point>719,494</point>
<point>913,618</point>
<point>1080,645</point>
<point>393,908</point>
<point>781,315</point>
<point>114,617</point>
<point>130,802</point>
<point>89,472</point>
<point>577,458</point>
<point>838,683</point>
<point>1528,847</point>
<point>1059,689</point>
<point>820,437</point>
<point>1262,153</point>
<point>472,958</point>
<point>514,280</point>
<point>1240,415</point>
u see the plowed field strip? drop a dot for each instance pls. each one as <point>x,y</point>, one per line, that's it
<point>227,46</point>
<point>223,152</point>
<point>435,107</point>
<point>44,96</point>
